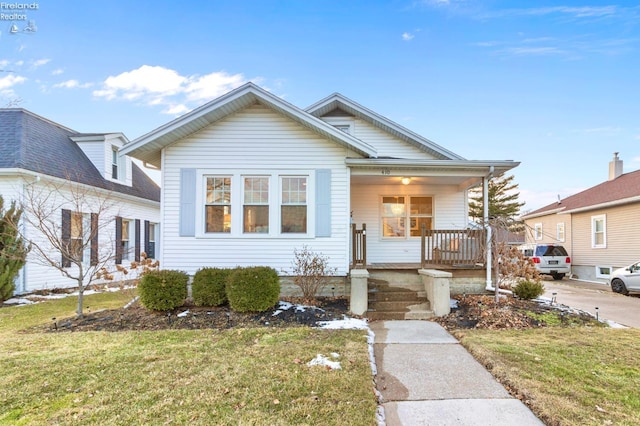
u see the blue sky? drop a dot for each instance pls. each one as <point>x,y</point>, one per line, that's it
<point>554,85</point>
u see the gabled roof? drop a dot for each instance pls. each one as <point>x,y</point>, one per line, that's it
<point>622,190</point>
<point>340,102</point>
<point>33,143</point>
<point>148,147</point>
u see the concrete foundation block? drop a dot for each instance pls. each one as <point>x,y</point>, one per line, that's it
<point>437,286</point>
<point>359,295</point>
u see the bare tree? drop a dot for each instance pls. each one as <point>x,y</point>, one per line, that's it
<point>508,264</point>
<point>71,218</point>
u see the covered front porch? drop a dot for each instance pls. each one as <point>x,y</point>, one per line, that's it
<point>449,262</point>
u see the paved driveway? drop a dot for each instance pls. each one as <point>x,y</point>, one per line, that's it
<point>587,296</point>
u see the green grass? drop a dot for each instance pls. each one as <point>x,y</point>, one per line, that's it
<point>568,375</point>
<point>239,376</point>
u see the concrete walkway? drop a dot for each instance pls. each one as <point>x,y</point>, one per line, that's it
<point>426,377</point>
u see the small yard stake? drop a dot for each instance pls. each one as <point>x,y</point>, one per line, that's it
<point>553,298</point>
<point>55,323</point>
<point>597,316</point>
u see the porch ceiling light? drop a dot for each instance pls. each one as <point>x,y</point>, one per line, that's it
<point>405,180</point>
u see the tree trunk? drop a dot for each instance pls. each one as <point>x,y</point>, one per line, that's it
<point>80,298</point>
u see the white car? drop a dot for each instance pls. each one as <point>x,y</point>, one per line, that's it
<point>549,259</point>
<point>625,280</point>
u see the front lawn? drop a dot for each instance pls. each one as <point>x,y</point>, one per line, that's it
<point>237,376</point>
<point>567,375</point>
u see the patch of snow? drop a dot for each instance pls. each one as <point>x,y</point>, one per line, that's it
<point>325,362</point>
<point>453,303</point>
<point>183,314</point>
<point>344,324</point>
<point>19,301</point>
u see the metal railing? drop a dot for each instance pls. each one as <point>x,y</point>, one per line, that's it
<point>452,246</point>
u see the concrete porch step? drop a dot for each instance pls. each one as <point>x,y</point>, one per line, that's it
<point>397,305</point>
<point>373,315</point>
<point>390,296</point>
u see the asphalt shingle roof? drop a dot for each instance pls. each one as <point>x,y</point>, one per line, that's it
<point>623,187</point>
<point>31,142</point>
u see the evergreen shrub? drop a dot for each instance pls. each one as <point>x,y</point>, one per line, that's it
<point>163,290</point>
<point>209,286</point>
<point>253,289</point>
<point>528,289</point>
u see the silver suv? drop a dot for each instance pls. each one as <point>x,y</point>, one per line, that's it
<point>549,259</point>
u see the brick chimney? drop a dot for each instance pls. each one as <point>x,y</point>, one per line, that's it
<point>615,167</point>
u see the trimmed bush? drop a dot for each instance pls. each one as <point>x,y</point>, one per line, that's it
<point>253,289</point>
<point>209,286</point>
<point>526,289</point>
<point>163,290</point>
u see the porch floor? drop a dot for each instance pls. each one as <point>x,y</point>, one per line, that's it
<point>413,266</point>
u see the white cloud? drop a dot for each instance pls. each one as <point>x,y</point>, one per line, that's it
<point>71,84</point>
<point>606,129</point>
<point>4,63</point>
<point>533,51</point>
<point>574,12</point>
<point>57,71</point>
<point>212,85</point>
<point>635,159</point>
<point>407,36</point>
<point>11,80</point>
<point>40,62</point>
<point>157,85</point>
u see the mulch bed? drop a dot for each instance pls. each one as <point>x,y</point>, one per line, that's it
<point>136,317</point>
<point>475,311</point>
<point>472,311</point>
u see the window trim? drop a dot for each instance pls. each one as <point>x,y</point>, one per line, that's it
<point>537,232</point>
<point>560,229</point>
<point>599,274</point>
<point>237,179</point>
<point>115,164</point>
<point>594,220</point>
<point>407,215</point>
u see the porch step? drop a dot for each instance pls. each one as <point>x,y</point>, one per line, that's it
<point>396,302</point>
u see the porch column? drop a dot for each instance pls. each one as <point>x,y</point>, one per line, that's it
<point>359,295</point>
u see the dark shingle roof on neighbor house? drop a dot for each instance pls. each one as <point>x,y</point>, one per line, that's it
<point>31,142</point>
<point>621,190</point>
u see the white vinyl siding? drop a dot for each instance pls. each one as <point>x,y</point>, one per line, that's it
<point>243,144</point>
<point>387,145</point>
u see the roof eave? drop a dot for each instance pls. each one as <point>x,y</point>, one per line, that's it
<point>336,99</point>
<point>599,206</point>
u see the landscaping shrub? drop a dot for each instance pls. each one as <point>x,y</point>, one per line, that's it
<point>209,286</point>
<point>163,290</point>
<point>253,289</point>
<point>310,271</point>
<point>527,289</point>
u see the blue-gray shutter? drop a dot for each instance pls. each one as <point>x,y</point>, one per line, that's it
<point>187,202</point>
<point>323,203</point>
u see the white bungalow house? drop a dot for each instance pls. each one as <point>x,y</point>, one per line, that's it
<point>69,175</point>
<point>249,177</point>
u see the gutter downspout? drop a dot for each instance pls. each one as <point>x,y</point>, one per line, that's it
<point>485,214</point>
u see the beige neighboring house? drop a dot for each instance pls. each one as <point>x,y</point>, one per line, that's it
<point>599,226</point>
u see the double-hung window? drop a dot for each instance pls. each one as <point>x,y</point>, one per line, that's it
<point>560,231</point>
<point>114,163</point>
<point>125,239</point>
<point>537,231</point>
<point>76,242</point>
<point>599,231</point>
<point>293,207</point>
<point>398,211</point>
<point>218,204</point>
<point>256,205</point>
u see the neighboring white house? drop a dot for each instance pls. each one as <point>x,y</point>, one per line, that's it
<point>37,155</point>
<point>249,177</point>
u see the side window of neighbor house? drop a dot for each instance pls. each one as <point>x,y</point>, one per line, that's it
<point>537,231</point>
<point>218,204</point>
<point>125,241</point>
<point>599,231</point>
<point>150,250</point>
<point>114,163</point>
<point>293,207</point>
<point>560,231</point>
<point>77,235</point>
<point>256,205</point>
